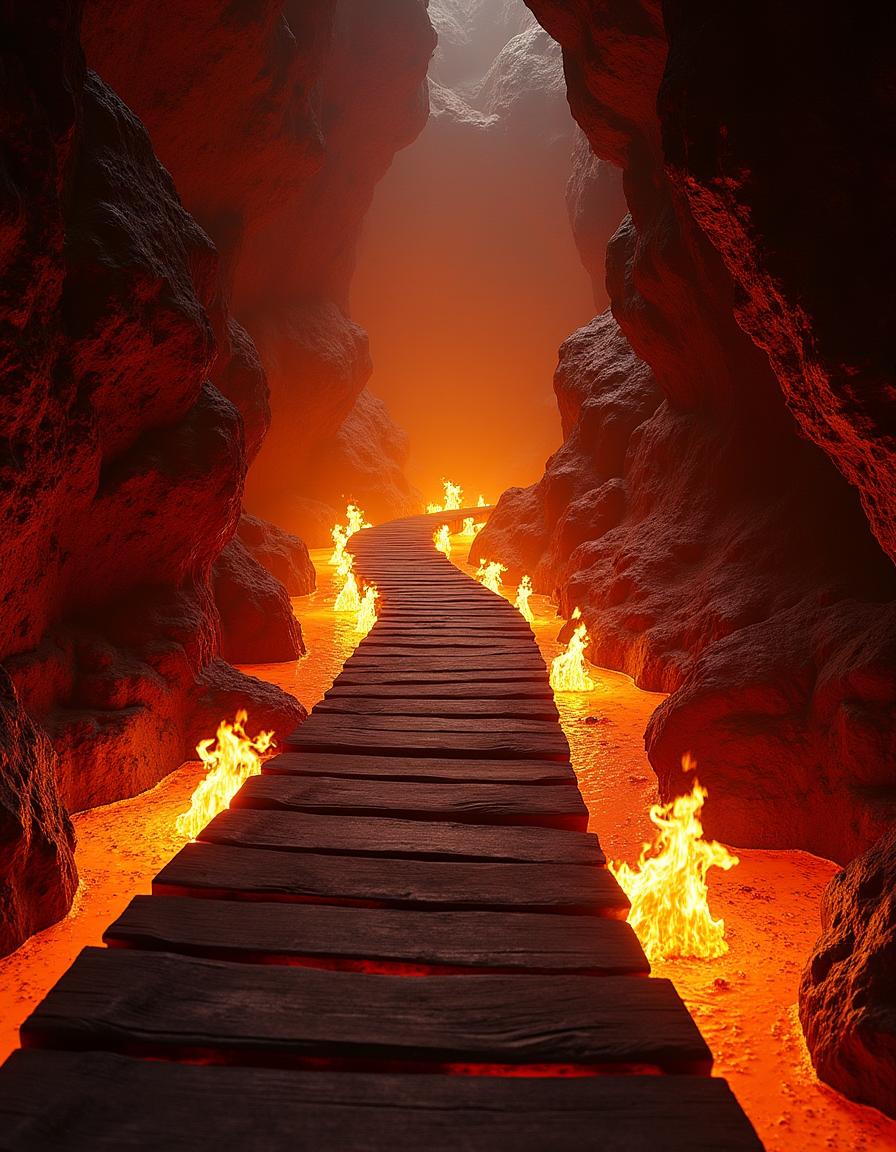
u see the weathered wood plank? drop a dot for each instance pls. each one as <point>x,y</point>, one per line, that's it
<point>412,725</point>
<point>425,840</point>
<point>467,664</point>
<point>515,804</point>
<point>97,1102</point>
<point>542,708</point>
<point>410,769</point>
<point>234,873</point>
<point>388,675</point>
<point>478,744</point>
<point>346,687</point>
<point>380,937</point>
<point>160,1005</point>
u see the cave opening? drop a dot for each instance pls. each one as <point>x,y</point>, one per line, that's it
<point>283,298</point>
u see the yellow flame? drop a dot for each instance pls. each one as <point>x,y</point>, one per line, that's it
<point>454,496</point>
<point>232,757</point>
<point>469,528</point>
<point>367,616</point>
<point>348,599</point>
<point>340,534</point>
<point>430,508</point>
<point>442,540</point>
<point>668,893</point>
<point>481,502</point>
<point>569,673</point>
<point>489,574</point>
<point>523,592</point>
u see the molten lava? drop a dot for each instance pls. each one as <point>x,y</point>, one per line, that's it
<point>489,574</point>
<point>354,522</point>
<point>232,757</point>
<point>569,673</point>
<point>668,892</point>
<point>367,616</point>
<point>442,540</point>
<point>523,592</point>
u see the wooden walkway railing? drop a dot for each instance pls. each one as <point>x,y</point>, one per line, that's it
<point>409,889</point>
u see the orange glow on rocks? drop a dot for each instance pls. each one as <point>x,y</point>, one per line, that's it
<point>668,890</point>
<point>231,757</point>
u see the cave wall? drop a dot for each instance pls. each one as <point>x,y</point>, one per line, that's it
<point>468,229</point>
<point>122,467</point>
<point>710,537</point>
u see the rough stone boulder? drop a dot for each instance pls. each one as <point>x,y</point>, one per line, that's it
<point>257,621</point>
<point>848,990</point>
<point>285,556</point>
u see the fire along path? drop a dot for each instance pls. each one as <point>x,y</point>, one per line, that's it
<point>409,889</point>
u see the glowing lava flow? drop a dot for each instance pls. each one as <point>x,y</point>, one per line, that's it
<point>670,908</point>
<point>568,670</point>
<point>442,540</point>
<point>489,574</point>
<point>232,757</point>
<point>340,534</point>
<point>367,616</point>
<point>523,592</point>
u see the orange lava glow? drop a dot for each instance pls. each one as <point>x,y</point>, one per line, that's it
<point>668,890</point>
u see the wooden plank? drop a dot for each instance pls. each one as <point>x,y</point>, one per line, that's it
<point>459,665</point>
<point>377,939</point>
<point>410,769</point>
<point>159,1005</point>
<point>225,872</point>
<point>537,708</point>
<point>389,675</point>
<point>346,687</point>
<point>413,725</point>
<point>423,840</point>
<point>460,641</point>
<point>72,1102</point>
<point>481,745</point>
<point>514,804</point>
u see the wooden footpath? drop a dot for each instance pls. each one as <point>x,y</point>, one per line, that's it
<point>400,936</point>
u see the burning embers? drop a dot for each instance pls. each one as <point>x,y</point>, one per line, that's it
<point>232,757</point>
<point>668,892</point>
<point>569,672</point>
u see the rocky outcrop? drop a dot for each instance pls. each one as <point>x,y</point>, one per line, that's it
<point>847,993</point>
<point>254,608</point>
<point>482,194</point>
<point>122,466</point>
<point>716,552</point>
<point>283,555</point>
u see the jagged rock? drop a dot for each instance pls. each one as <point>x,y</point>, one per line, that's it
<point>37,865</point>
<point>285,556</point>
<point>257,621</point>
<point>848,991</point>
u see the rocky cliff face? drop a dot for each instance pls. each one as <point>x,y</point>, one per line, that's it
<point>715,550</point>
<point>122,466</point>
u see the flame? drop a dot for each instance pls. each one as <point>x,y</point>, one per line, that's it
<point>355,521</point>
<point>367,616</point>
<point>232,757</point>
<point>523,592</point>
<point>471,528</point>
<point>489,574</point>
<point>442,540</point>
<point>454,495</point>
<point>668,892</point>
<point>481,502</point>
<point>569,672</point>
<point>348,599</point>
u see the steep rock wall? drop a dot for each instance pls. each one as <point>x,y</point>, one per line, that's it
<point>715,551</point>
<point>122,467</point>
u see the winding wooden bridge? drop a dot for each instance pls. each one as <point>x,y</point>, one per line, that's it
<point>409,889</point>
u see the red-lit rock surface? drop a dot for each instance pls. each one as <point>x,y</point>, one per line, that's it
<point>257,622</point>
<point>715,551</point>
<point>848,990</point>
<point>122,465</point>
<point>285,556</point>
<point>468,277</point>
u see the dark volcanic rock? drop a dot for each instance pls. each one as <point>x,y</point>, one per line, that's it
<point>285,556</point>
<point>848,990</point>
<point>715,551</point>
<point>257,621</point>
